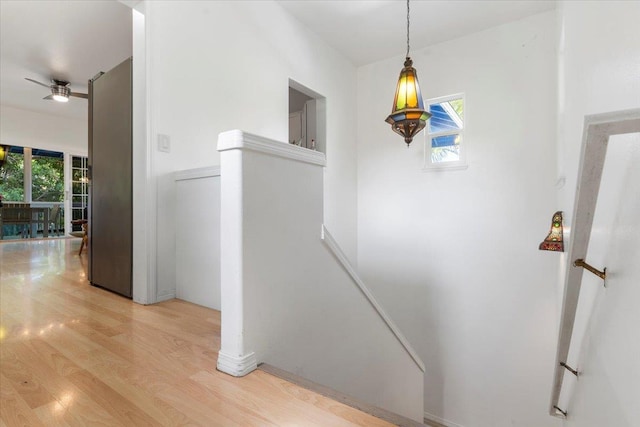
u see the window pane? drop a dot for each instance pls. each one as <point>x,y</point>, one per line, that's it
<point>76,174</point>
<point>75,215</point>
<point>79,202</point>
<point>79,172</point>
<point>12,176</point>
<point>445,148</point>
<point>446,116</point>
<point>78,188</point>
<point>78,214</point>
<point>47,176</point>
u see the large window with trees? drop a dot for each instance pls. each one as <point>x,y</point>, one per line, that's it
<point>32,178</point>
<point>32,175</point>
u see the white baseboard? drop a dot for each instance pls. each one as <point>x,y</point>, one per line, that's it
<point>446,423</point>
<point>237,366</point>
<point>165,297</point>
<point>393,418</point>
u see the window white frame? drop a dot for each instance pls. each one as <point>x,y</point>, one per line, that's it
<point>428,165</point>
<point>69,181</point>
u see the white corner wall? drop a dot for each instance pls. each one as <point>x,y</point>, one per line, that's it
<point>599,58</point>
<point>453,255</point>
<point>218,65</point>
<point>198,236</point>
<point>286,299</point>
<point>604,346</point>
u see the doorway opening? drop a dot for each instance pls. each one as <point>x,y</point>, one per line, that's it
<point>307,117</point>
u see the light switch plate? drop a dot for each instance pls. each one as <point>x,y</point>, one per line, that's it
<point>164,143</point>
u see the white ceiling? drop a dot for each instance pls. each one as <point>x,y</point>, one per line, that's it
<point>368,31</point>
<point>74,40</point>
<point>66,40</point>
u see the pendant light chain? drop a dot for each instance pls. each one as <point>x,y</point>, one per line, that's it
<point>407,28</point>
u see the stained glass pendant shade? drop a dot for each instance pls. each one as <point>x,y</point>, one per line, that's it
<point>408,116</point>
<point>554,241</point>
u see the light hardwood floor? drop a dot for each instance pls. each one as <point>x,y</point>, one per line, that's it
<point>75,355</point>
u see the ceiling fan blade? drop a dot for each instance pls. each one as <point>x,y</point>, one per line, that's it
<point>79,95</point>
<point>37,82</point>
<point>48,98</point>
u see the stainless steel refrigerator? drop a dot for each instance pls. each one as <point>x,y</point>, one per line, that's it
<point>110,170</point>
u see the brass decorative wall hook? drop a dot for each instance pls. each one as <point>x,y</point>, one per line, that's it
<point>583,264</point>
<point>569,368</point>
<point>564,413</point>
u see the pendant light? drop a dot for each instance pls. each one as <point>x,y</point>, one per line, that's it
<point>408,116</point>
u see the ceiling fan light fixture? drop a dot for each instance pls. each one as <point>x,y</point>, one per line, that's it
<point>60,93</point>
<point>60,90</point>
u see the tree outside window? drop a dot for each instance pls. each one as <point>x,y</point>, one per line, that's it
<point>47,176</point>
<point>12,176</point>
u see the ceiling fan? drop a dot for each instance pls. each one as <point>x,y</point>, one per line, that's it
<point>60,90</point>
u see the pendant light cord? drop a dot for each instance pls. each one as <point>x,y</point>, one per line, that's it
<point>407,28</point>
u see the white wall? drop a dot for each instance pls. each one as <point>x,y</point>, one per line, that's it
<point>285,297</point>
<point>198,236</point>
<point>453,256</point>
<point>31,129</point>
<point>221,65</point>
<point>143,274</point>
<point>599,58</point>
<point>605,348</point>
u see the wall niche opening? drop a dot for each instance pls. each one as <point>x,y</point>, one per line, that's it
<point>307,117</point>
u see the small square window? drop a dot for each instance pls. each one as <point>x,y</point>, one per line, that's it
<point>444,145</point>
